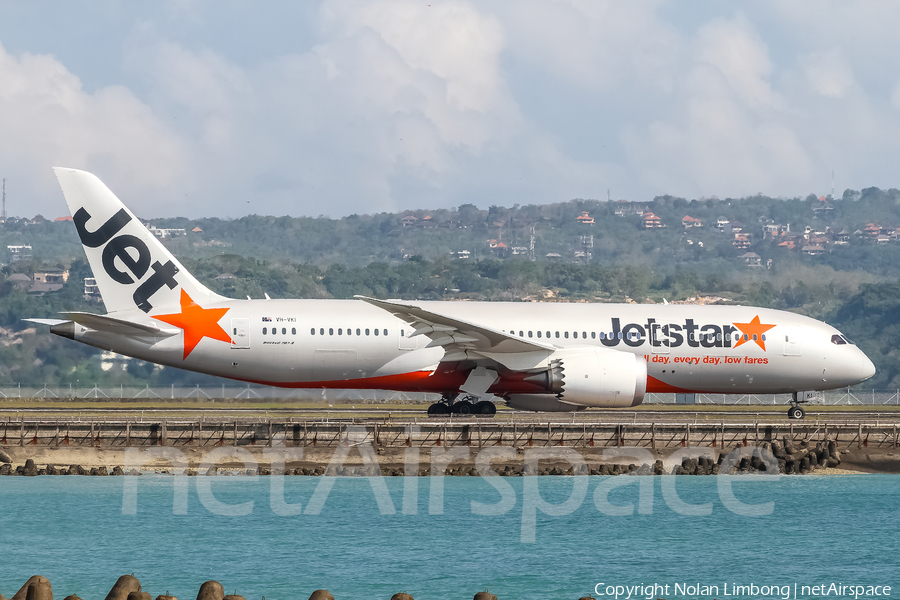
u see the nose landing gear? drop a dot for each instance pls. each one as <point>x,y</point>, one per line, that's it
<point>797,398</point>
<point>796,412</point>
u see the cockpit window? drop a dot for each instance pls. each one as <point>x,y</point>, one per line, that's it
<point>848,340</point>
<point>838,340</point>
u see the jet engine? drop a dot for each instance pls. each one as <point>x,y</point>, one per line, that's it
<point>587,377</point>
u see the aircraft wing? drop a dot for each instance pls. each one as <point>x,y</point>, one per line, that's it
<point>117,326</point>
<point>460,339</point>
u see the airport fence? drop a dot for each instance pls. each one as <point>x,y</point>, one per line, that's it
<point>251,394</point>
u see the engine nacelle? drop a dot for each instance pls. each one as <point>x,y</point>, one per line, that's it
<point>589,377</point>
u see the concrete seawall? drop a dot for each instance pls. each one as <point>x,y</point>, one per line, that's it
<point>433,433</point>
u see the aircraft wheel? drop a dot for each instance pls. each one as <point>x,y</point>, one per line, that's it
<point>485,408</point>
<point>795,412</point>
<point>462,408</point>
<point>438,409</point>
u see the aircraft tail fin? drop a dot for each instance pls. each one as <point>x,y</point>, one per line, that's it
<point>132,268</point>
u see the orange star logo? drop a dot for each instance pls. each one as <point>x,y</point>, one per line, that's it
<point>197,323</point>
<point>753,330</point>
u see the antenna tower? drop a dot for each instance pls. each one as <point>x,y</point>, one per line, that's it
<point>531,246</point>
<point>3,209</point>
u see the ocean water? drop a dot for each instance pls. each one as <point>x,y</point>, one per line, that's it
<point>83,532</point>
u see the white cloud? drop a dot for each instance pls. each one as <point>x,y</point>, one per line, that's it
<point>829,73</point>
<point>736,51</point>
<point>46,120</point>
<point>394,104</point>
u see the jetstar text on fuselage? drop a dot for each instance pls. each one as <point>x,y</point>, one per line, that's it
<point>671,335</point>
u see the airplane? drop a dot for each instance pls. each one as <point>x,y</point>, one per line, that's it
<point>534,356</point>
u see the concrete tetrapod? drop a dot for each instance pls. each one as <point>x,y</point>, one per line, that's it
<point>485,595</point>
<point>234,597</point>
<point>166,596</point>
<point>124,586</point>
<point>36,588</point>
<point>401,596</point>
<point>30,469</point>
<point>211,590</point>
<point>138,596</point>
<point>321,595</point>
<point>72,597</point>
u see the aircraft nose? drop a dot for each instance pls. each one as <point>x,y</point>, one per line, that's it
<point>866,368</point>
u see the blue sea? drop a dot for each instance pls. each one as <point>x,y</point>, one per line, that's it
<point>542,537</point>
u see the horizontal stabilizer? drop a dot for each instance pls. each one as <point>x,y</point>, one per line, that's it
<point>50,322</point>
<point>118,326</point>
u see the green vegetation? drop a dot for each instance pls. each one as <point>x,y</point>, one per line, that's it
<point>853,285</point>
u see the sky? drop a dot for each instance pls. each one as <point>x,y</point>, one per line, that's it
<point>224,108</point>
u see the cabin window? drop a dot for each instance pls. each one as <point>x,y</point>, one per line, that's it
<point>293,331</point>
<point>539,334</point>
<point>719,337</point>
<point>521,334</point>
<point>620,335</point>
<point>385,332</point>
<point>566,334</point>
<point>274,330</point>
<point>321,331</point>
<point>557,334</point>
<point>367,332</point>
<point>265,330</point>
<point>548,334</point>
<point>235,331</point>
<point>584,335</point>
<point>284,331</point>
<point>763,336</point>
<point>330,331</point>
<point>312,331</point>
<point>340,331</point>
<point>376,332</point>
<point>593,335</point>
<point>357,331</point>
<point>529,334</point>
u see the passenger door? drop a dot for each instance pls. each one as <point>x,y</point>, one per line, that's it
<point>240,333</point>
<point>406,342</point>
<point>792,345</point>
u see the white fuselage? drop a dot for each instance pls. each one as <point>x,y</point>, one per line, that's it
<point>351,344</point>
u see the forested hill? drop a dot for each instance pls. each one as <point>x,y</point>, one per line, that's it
<point>833,260</point>
<point>774,229</point>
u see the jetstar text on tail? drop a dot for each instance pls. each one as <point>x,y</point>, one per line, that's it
<point>119,247</point>
<point>673,335</point>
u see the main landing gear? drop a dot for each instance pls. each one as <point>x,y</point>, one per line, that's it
<point>468,406</point>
